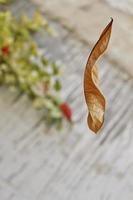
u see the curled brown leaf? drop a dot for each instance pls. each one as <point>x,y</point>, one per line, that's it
<point>94,98</point>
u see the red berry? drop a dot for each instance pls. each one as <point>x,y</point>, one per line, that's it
<point>66,110</point>
<point>5,50</point>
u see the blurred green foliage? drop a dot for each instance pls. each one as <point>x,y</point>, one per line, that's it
<point>23,67</point>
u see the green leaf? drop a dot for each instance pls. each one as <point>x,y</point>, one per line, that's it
<point>57,85</point>
<point>56,114</point>
<point>55,69</point>
<point>45,61</point>
<point>48,104</point>
<point>38,103</point>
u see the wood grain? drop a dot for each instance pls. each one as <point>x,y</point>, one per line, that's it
<point>37,163</point>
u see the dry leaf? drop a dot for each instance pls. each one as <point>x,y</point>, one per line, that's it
<point>93,96</point>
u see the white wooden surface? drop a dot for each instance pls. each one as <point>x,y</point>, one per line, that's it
<point>37,163</point>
